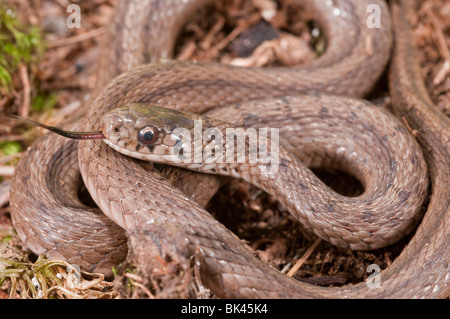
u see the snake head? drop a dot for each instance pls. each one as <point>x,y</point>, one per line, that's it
<point>145,131</point>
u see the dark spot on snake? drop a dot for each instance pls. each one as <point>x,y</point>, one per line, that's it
<point>368,104</point>
<point>393,164</point>
<point>303,186</point>
<point>403,195</point>
<point>284,100</point>
<point>282,162</point>
<point>393,221</point>
<point>118,50</point>
<point>367,215</point>
<point>237,106</point>
<point>250,117</point>
<point>288,110</point>
<point>79,67</point>
<point>42,207</point>
<point>138,147</point>
<point>385,138</point>
<point>352,116</point>
<point>330,207</point>
<point>151,148</point>
<point>399,129</point>
<point>323,110</point>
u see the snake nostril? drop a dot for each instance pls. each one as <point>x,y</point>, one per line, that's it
<point>114,128</point>
<point>113,123</point>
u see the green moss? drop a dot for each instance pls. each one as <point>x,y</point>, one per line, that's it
<point>10,148</point>
<point>44,102</point>
<point>19,44</point>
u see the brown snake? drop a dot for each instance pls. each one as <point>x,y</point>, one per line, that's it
<point>51,220</point>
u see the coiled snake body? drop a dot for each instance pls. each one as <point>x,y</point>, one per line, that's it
<point>346,133</point>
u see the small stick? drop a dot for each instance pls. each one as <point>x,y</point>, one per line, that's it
<point>414,132</point>
<point>137,282</point>
<point>11,138</point>
<point>25,107</point>
<point>6,170</point>
<point>305,256</point>
<point>78,38</point>
<point>233,34</point>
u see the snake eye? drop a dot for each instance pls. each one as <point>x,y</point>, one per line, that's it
<point>148,135</point>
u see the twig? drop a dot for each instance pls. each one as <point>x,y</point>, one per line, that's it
<point>387,258</point>
<point>305,257</point>
<point>78,38</point>
<point>24,110</point>
<point>187,51</point>
<point>136,280</point>
<point>6,170</point>
<point>442,73</point>
<point>233,34</point>
<point>208,38</point>
<point>414,132</point>
<point>4,193</point>
<point>202,291</point>
<point>11,138</point>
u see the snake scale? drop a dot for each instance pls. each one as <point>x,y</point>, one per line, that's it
<point>316,126</point>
